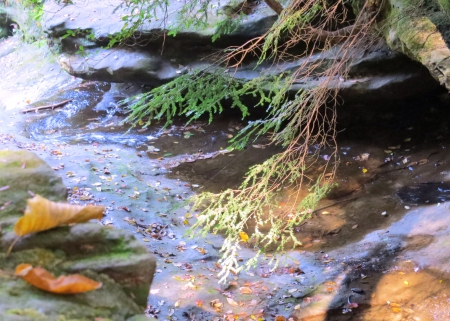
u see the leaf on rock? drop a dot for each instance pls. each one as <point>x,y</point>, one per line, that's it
<point>42,214</point>
<point>44,280</point>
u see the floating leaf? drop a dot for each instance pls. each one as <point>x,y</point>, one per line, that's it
<point>243,236</point>
<point>42,214</point>
<point>44,280</point>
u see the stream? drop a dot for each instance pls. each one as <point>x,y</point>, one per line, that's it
<point>377,248</point>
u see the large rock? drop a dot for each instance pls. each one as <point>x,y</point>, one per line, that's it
<point>113,257</point>
<point>155,60</point>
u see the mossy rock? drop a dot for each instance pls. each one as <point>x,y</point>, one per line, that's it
<point>111,256</point>
<point>22,172</point>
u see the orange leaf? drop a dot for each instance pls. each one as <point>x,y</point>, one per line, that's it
<point>396,309</point>
<point>280,318</point>
<point>42,214</point>
<point>44,280</point>
<point>245,290</point>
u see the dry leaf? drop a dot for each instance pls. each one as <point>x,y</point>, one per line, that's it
<point>232,302</point>
<point>280,318</point>
<point>44,280</point>
<point>243,236</point>
<point>245,290</point>
<point>42,214</point>
<point>396,309</point>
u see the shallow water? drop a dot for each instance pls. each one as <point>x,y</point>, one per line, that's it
<point>376,230</point>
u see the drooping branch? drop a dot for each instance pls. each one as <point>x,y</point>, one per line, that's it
<point>368,12</point>
<point>365,16</point>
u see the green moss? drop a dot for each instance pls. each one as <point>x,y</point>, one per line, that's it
<point>35,257</point>
<point>32,313</point>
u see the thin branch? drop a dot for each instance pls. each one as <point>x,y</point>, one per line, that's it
<point>46,106</point>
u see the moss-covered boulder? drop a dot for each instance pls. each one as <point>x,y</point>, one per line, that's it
<point>113,257</point>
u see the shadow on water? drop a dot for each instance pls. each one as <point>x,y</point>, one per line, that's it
<point>404,277</point>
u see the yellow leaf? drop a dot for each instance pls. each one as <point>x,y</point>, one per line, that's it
<point>364,170</point>
<point>44,280</point>
<point>243,236</point>
<point>406,282</point>
<point>42,214</point>
<point>396,309</point>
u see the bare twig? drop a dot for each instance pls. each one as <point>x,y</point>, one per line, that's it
<point>46,106</point>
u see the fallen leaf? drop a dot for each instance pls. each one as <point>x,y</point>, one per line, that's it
<point>243,236</point>
<point>280,318</point>
<point>245,290</point>
<point>216,304</point>
<point>44,280</point>
<point>396,309</point>
<point>232,302</point>
<point>42,214</point>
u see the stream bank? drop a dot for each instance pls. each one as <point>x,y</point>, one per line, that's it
<point>389,247</point>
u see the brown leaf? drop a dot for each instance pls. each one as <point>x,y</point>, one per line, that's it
<point>44,280</point>
<point>42,214</point>
<point>245,290</point>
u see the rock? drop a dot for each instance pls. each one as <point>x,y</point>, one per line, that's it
<point>417,36</point>
<point>377,74</point>
<point>113,257</point>
<point>23,172</point>
<point>5,24</point>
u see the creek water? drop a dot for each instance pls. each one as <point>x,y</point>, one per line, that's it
<point>379,240</point>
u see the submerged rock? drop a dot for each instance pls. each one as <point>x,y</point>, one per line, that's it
<point>113,257</point>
